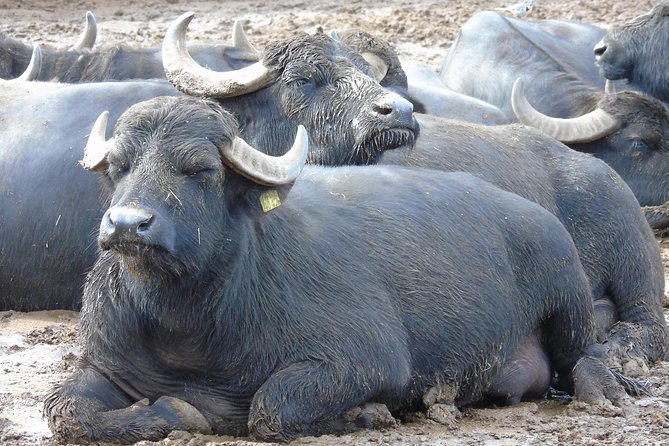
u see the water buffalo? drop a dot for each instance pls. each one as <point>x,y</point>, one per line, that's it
<point>82,63</point>
<point>617,248</point>
<point>232,295</point>
<point>638,51</point>
<point>345,108</point>
<point>561,81</point>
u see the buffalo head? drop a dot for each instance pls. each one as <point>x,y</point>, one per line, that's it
<point>174,178</point>
<point>628,130</point>
<point>313,80</point>
<point>638,51</point>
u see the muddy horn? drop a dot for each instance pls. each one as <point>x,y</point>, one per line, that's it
<point>586,128</point>
<point>88,37</point>
<point>191,78</point>
<point>265,169</point>
<point>97,147</point>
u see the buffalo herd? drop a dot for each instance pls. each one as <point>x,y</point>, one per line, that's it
<point>289,241</point>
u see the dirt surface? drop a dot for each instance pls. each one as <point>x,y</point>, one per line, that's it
<point>39,349</point>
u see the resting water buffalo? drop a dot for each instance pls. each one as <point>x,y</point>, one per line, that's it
<point>343,107</point>
<point>638,51</point>
<point>561,81</point>
<point>617,248</point>
<point>240,298</point>
<point>81,63</point>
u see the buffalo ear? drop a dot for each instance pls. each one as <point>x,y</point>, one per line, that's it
<point>97,148</point>
<point>379,66</point>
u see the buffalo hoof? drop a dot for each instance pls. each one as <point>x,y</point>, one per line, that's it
<point>657,216</point>
<point>597,386</point>
<point>371,416</point>
<point>631,348</point>
<point>180,415</point>
<point>444,414</point>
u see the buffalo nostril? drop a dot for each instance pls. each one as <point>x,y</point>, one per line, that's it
<point>600,50</point>
<point>145,225</point>
<point>383,109</point>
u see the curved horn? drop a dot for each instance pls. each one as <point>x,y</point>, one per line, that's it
<point>97,147</point>
<point>191,78</point>
<point>265,169</point>
<point>240,40</point>
<point>586,128</point>
<point>34,67</point>
<point>88,37</point>
<point>609,88</point>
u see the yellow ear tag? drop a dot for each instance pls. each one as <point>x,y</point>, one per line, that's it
<point>269,200</point>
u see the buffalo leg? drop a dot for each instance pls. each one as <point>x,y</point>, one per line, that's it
<point>89,407</point>
<point>309,398</point>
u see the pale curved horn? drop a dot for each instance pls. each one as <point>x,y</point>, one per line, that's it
<point>265,169</point>
<point>88,37</point>
<point>241,41</point>
<point>586,128</point>
<point>97,147</point>
<point>191,78</point>
<point>34,67</point>
<point>609,88</point>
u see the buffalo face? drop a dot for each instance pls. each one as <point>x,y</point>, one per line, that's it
<point>638,51</point>
<point>174,168</point>
<point>350,117</point>
<point>165,190</point>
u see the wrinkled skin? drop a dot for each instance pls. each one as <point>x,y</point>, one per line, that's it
<point>638,51</point>
<point>233,320</point>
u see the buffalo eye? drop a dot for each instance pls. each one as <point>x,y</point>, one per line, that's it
<point>194,171</point>
<point>300,82</point>
<point>117,169</point>
<point>640,145</point>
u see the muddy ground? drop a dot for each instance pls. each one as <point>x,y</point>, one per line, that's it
<point>39,349</point>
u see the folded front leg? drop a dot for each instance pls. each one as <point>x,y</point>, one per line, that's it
<point>314,397</point>
<point>89,407</point>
